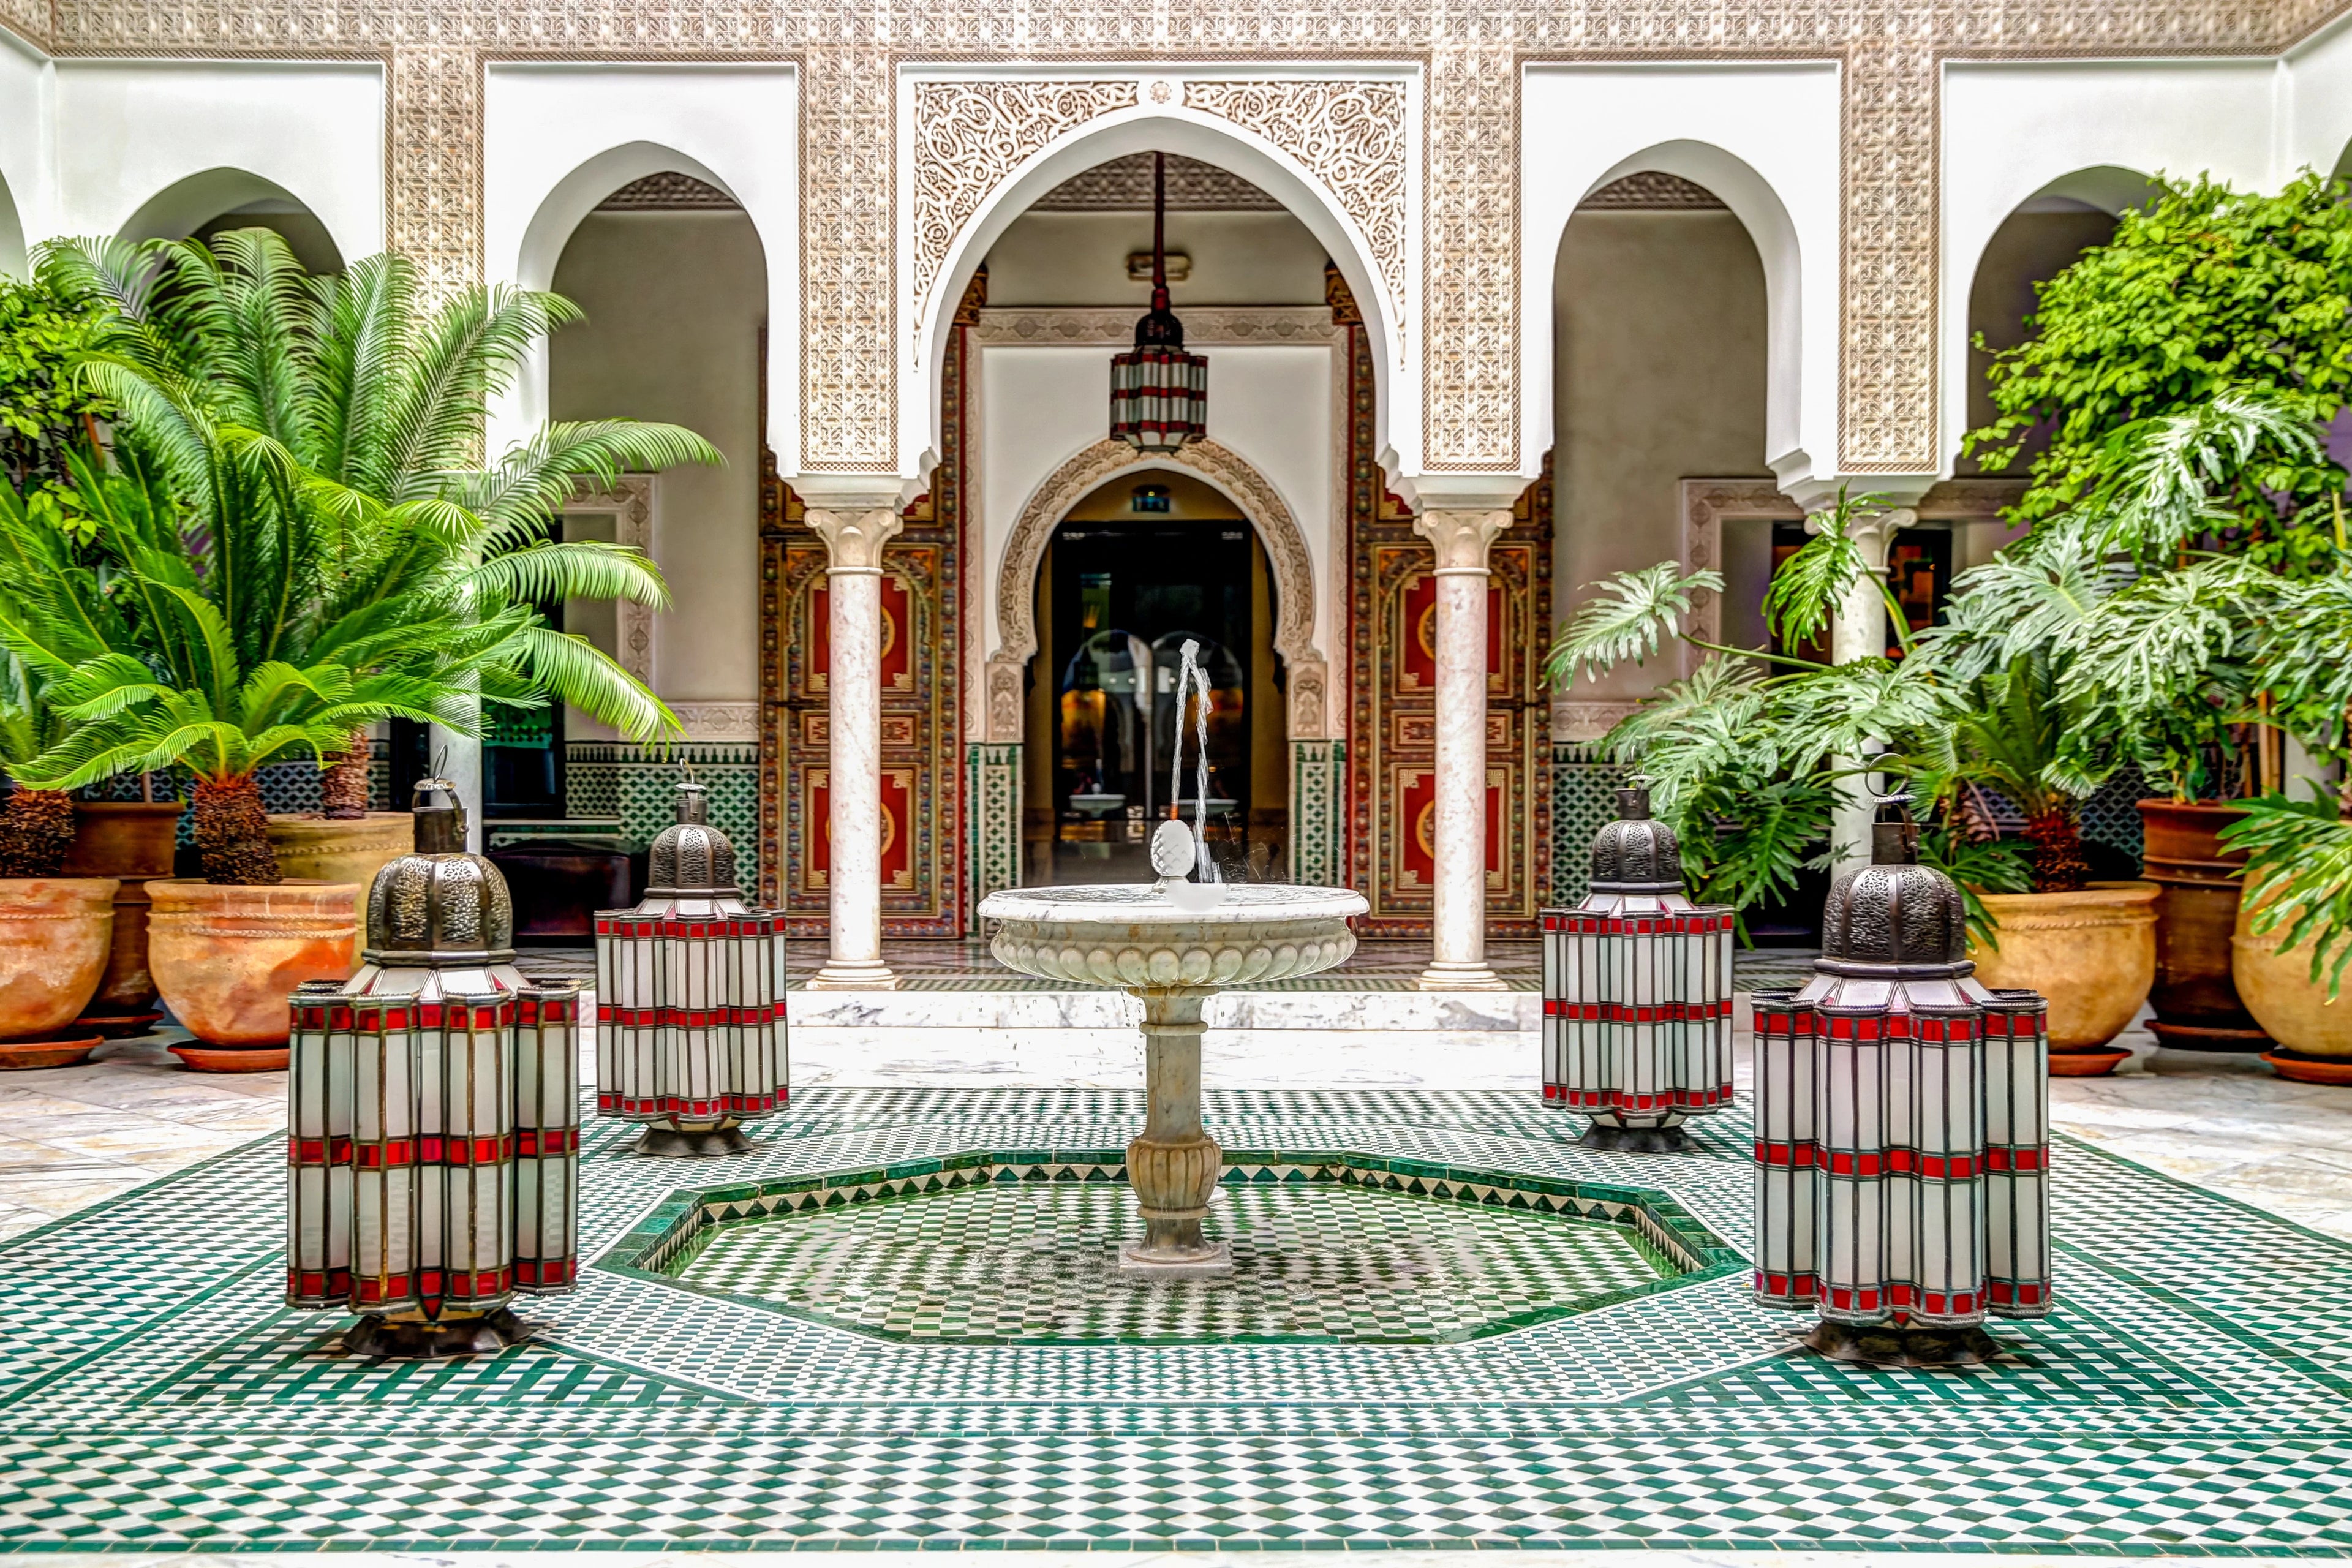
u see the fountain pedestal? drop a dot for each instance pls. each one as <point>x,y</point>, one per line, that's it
<point>1172,958</point>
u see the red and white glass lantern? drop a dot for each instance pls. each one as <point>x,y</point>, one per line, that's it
<point>1637,993</point>
<point>435,1148</point>
<point>1158,394</point>
<point>1902,1128</point>
<point>690,998</point>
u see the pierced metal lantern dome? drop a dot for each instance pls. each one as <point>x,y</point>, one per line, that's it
<point>1158,394</point>
<point>1902,1115</point>
<point>1637,991</point>
<point>690,998</point>
<point>434,1162</point>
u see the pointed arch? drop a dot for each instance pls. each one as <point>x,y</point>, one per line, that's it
<point>186,204</point>
<point>1231,475</point>
<point>1381,284</point>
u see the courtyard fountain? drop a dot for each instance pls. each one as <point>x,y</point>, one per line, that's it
<point>1172,944</point>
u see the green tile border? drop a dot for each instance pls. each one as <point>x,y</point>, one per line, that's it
<point>1669,1237</point>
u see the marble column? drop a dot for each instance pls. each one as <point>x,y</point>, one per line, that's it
<point>854,538</point>
<point>1857,631</point>
<point>1458,922</point>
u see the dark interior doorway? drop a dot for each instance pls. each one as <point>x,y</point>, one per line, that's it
<point>1123,597</point>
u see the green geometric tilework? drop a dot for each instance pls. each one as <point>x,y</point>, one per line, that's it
<point>996,1264</point>
<point>2191,1393</point>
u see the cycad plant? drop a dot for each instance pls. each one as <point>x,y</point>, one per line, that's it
<point>309,541</point>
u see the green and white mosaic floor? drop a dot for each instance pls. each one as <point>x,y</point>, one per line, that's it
<point>2192,1394</point>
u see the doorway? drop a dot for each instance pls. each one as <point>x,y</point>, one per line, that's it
<point>1117,597</point>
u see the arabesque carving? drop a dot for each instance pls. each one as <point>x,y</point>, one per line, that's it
<point>968,138</point>
<point>1890,66</point>
<point>1349,134</point>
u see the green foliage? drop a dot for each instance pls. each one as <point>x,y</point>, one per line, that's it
<point>2202,292</point>
<point>1626,617</point>
<point>46,325</point>
<point>297,532</point>
<point>1805,592</point>
<point>2298,877</point>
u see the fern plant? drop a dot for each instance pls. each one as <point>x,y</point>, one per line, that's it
<point>310,542</point>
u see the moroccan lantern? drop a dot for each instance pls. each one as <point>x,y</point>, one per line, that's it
<point>434,1115</point>
<point>1158,394</point>
<point>1637,993</point>
<point>690,998</point>
<point>1902,1116</point>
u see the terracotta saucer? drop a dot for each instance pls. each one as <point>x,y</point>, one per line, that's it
<point>120,1025</point>
<point>2085,1064</point>
<point>230,1058</point>
<point>2310,1069</point>
<point>19,1055</point>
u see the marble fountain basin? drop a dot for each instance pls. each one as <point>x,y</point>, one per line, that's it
<point>1174,945</point>
<point>1138,938</point>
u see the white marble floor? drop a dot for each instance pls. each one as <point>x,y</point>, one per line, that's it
<point>72,1136</point>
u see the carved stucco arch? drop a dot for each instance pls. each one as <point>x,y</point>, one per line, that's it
<point>1231,475</point>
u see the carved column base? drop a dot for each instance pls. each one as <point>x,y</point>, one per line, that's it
<point>1444,976</point>
<point>1911,1345</point>
<point>1635,1140</point>
<point>853,975</point>
<point>1173,1182</point>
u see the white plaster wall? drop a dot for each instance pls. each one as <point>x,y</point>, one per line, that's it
<point>2316,117</point>
<point>558,138</point>
<point>126,133</point>
<point>26,176</point>
<point>1041,406</point>
<point>2011,130</point>
<point>1765,139</point>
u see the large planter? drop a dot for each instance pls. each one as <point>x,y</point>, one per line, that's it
<point>321,850</point>
<point>227,958</point>
<point>2197,1004</point>
<point>2092,954</point>
<point>132,841</point>
<point>2314,1034</point>
<point>54,933</point>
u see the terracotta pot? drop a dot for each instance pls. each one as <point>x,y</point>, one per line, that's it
<point>2280,992</point>
<point>2197,1005</point>
<point>54,933</point>
<point>227,958</point>
<point>314,848</point>
<point>132,841</point>
<point>2092,954</point>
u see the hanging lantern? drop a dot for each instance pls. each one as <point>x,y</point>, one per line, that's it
<point>1902,1115</point>
<point>434,1103</point>
<point>690,998</point>
<point>1637,993</point>
<point>1158,394</point>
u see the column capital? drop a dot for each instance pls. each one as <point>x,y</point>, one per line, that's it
<point>1873,532</point>
<point>854,538</point>
<point>1461,538</point>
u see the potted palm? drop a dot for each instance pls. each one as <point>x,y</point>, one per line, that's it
<point>307,550</point>
<point>2204,293</point>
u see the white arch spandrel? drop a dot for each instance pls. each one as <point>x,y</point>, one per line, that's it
<point>559,139</point>
<point>1175,130</point>
<point>156,149</point>
<point>1765,140</point>
<point>13,259</point>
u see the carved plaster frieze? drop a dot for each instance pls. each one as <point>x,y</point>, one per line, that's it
<point>1351,135</point>
<point>1575,719</point>
<point>1208,326</point>
<point>970,137</point>
<point>1471,52</point>
<point>1287,554</point>
<point>733,721</point>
